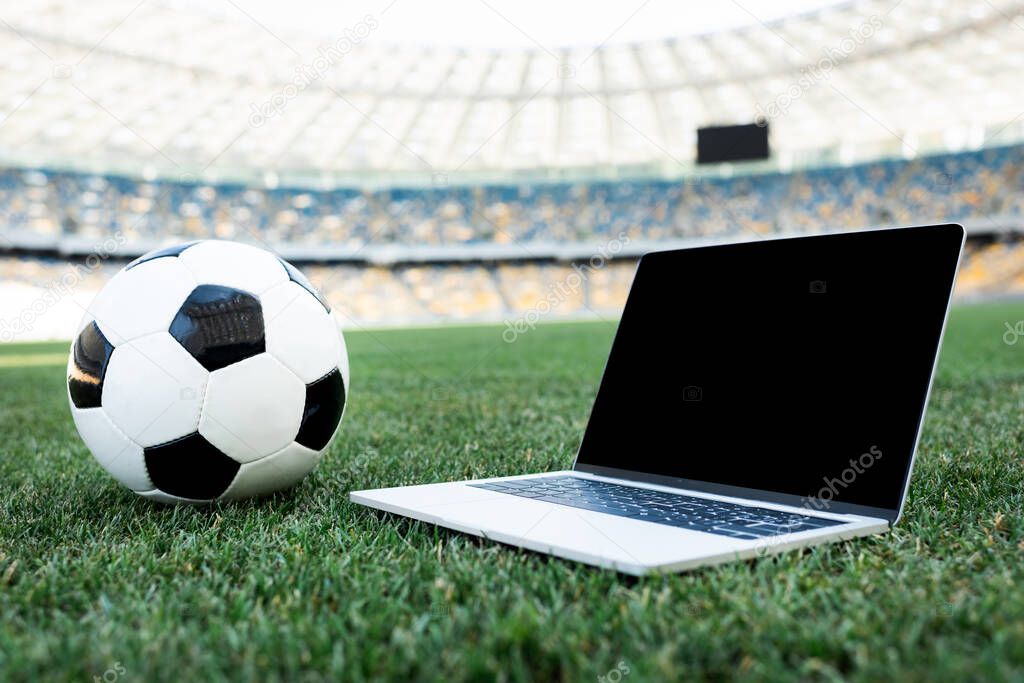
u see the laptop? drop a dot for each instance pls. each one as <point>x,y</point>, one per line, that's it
<point>758,397</point>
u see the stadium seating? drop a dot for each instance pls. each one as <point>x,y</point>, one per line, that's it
<point>967,186</point>
<point>994,269</point>
<point>423,294</point>
<point>973,187</point>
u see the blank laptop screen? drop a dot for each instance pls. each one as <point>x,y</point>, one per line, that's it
<point>797,366</point>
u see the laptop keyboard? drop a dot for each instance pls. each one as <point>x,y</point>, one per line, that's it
<point>671,509</point>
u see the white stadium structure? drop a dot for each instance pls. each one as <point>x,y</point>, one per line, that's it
<point>425,183</point>
<point>179,96</point>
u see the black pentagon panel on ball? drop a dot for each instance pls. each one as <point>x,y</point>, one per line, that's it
<point>296,276</point>
<point>190,467</point>
<point>220,326</point>
<point>325,401</point>
<point>166,252</point>
<point>88,367</point>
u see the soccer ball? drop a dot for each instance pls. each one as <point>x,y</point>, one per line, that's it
<point>209,370</point>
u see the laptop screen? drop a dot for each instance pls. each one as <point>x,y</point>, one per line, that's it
<point>798,367</point>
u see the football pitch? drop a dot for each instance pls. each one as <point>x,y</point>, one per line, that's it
<point>99,584</point>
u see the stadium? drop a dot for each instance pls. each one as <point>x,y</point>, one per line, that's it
<point>475,215</point>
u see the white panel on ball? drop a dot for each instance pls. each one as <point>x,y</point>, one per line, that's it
<point>253,408</point>
<point>278,471</point>
<point>119,455</point>
<point>231,264</point>
<point>142,300</point>
<point>342,354</point>
<point>299,331</point>
<point>154,389</point>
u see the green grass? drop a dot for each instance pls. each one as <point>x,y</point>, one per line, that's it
<point>307,586</point>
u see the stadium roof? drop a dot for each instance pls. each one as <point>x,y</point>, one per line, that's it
<point>155,89</point>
